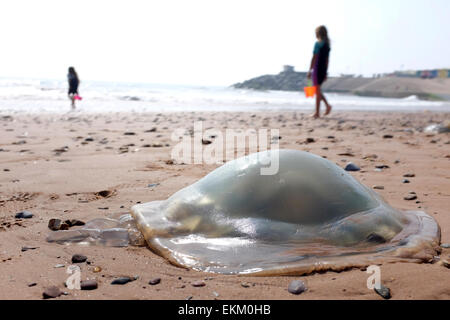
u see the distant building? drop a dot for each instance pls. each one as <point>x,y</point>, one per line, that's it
<point>288,68</point>
<point>424,74</point>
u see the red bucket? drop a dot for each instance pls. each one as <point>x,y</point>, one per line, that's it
<point>310,91</point>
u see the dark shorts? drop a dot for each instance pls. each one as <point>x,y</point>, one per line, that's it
<point>319,77</point>
<point>73,90</point>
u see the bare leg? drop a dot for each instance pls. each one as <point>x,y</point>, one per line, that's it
<point>327,112</point>
<point>318,99</point>
<point>72,98</point>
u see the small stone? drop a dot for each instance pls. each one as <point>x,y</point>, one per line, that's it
<point>206,142</point>
<point>378,187</point>
<point>78,258</point>
<point>32,284</point>
<point>409,175</point>
<point>382,166</point>
<point>245,285</point>
<point>28,248</point>
<point>57,224</point>
<point>152,185</point>
<point>97,269</point>
<point>74,222</point>
<point>352,167</point>
<point>122,280</point>
<point>405,181</point>
<point>388,136</point>
<point>198,284</point>
<point>154,281</point>
<point>151,130</point>
<point>51,292</point>
<point>24,215</point>
<point>296,287</point>
<point>129,133</point>
<point>383,291</point>
<point>410,197</point>
<point>445,245</point>
<point>89,285</point>
<point>59,266</point>
<point>310,140</point>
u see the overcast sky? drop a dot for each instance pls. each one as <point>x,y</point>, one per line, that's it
<point>217,42</point>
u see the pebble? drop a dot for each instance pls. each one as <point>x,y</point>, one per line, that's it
<point>24,215</point>
<point>378,187</point>
<point>351,167</point>
<point>410,197</point>
<point>152,185</point>
<point>57,224</point>
<point>51,292</point>
<point>154,281</point>
<point>310,140</point>
<point>409,175</point>
<point>97,269</point>
<point>89,285</point>
<point>122,280</point>
<point>388,136</point>
<point>445,245</point>
<point>296,287</point>
<point>198,284</point>
<point>32,284</point>
<point>405,181</point>
<point>59,266</point>
<point>382,166</point>
<point>74,222</point>
<point>129,133</point>
<point>245,285</point>
<point>28,248</point>
<point>384,292</point>
<point>78,258</point>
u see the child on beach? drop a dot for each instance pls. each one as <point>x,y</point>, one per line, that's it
<point>319,67</point>
<point>72,77</point>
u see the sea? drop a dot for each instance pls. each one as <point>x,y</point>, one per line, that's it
<point>22,95</point>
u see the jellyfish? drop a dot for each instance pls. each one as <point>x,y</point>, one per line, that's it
<point>307,216</point>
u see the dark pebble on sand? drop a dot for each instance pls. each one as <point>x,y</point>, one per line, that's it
<point>57,224</point>
<point>74,222</point>
<point>32,284</point>
<point>384,292</point>
<point>129,133</point>
<point>28,248</point>
<point>410,197</point>
<point>24,215</point>
<point>78,258</point>
<point>155,281</point>
<point>89,285</point>
<point>310,140</point>
<point>409,175</point>
<point>51,292</point>
<point>296,287</point>
<point>198,284</point>
<point>151,130</point>
<point>152,185</point>
<point>352,167</point>
<point>405,181</point>
<point>388,136</point>
<point>383,166</point>
<point>122,280</point>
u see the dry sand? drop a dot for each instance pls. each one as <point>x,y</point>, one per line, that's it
<point>34,177</point>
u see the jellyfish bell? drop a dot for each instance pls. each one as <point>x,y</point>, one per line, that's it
<point>308,215</point>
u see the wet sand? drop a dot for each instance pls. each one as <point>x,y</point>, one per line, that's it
<point>55,165</point>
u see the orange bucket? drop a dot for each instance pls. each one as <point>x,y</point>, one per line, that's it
<point>310,91</point>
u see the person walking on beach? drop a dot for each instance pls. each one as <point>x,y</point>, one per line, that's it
<point>72,77</point>
<point>319,67</point>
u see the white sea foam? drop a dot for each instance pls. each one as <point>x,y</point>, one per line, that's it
<point>33,96</point>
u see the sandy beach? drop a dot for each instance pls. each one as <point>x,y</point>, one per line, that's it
<point>54,165</point>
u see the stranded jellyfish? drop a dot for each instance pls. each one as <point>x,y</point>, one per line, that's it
<point>309,215</point>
